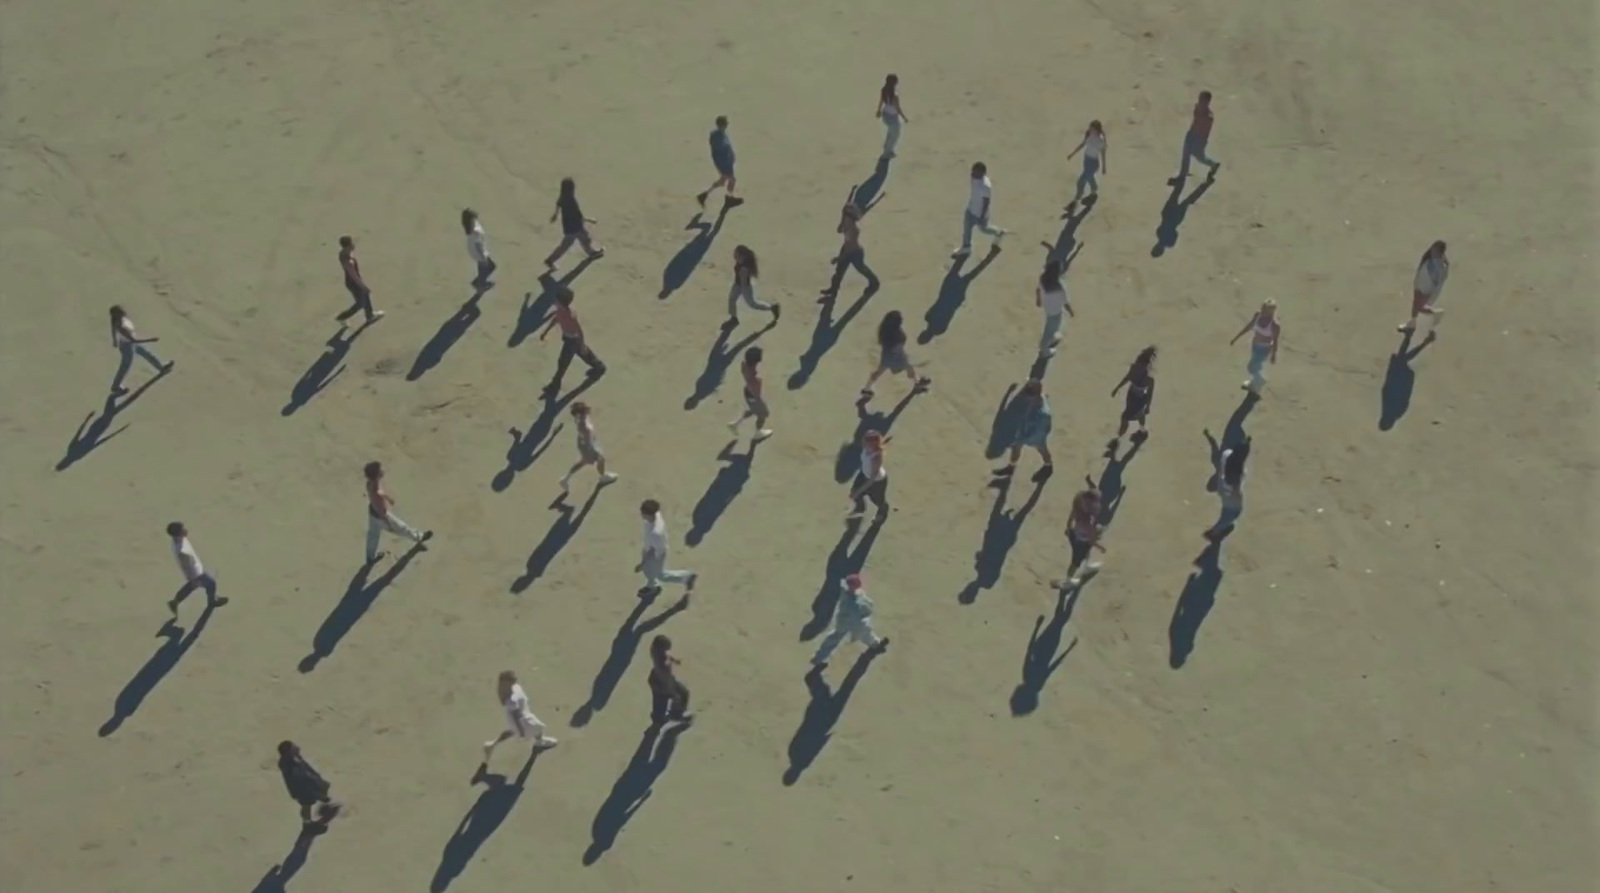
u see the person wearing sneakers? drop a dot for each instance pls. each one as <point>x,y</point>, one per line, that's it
<point>588,449</point>
<point>653,558</point>
<point>1265,332</point>
<point>852,619</point>
<point>1033,430</point>
<point>357,286</point>
<point>1096,159</point>
<point>755,405</point>
<point>1427,288</point>
<point>574,226</point>
<point>1195,139</point>
<point>477,247</point>
<point>977,213</point>
<point>520,721</point>
<point>380,516</point>
<point>128,343</point>
<point>892,356</point>
<point>872,481</point>
<point>1140,380</point>
<point>1083,535</point>
<point>745,272</point>
<point>194,573</point>
<point>722,158</point>
<point>1051,297</point>
<point>669,697</point>
<point>573,343</point>
<point>851,254</point>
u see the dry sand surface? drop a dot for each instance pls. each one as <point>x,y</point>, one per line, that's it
<point>1393,685</point>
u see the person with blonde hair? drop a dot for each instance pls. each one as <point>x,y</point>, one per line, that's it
<point>520,721</point>
<point>1267,332</point>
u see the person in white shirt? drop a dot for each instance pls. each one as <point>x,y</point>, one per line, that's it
<point>1096,159</point>
<point>1427,288</point>
<point>872,481</point>
<point>892,114</point>
<point>128,342</point>
<point>653,558</point>
<point>977,213</point>
<point>1051,297</point>
<point>477,246</point>
<point>520,721</point>
<point>194,573</point>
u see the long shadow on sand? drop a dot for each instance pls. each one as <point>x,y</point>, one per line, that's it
<point>561,532</point>
<point>952,294</point>
<point>1040,660</point>
<point>1199,595</point>
<point>499,797</point>
<point>449,333</point>
<point>357,598</point>
<point>848,461</point>
<point>822,714</point>
<point>720,357</point>
<point>174,645</point>
<point>723,490</point>
<point>632,788</point>
<point>1174,211</point>
<point>1399,380</point>
<point>998,538</point>
<point>324,370</point>
<point>623,647</point>
<point>842,562</point>
<point>528,446</point>
<point>535,312</point>
<point>826,335</point>
<point>683,264</point>
<point>91,431</point>
<point>278,876</point>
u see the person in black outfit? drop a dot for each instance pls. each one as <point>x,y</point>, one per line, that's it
<point>669,697</point>
<point>306,786</point>
<point>1141,383</point>
<point>574,226</point>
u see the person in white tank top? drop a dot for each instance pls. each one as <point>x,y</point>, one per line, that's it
<point>1268,332</point>
<point>891,113</point>
<point>1096,158</point>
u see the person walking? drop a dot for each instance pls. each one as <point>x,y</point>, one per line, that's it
<point>574,226</point>
<point>977,213</point>
<point>588,449</point>
<point>851,254</point>
<point>1195,140</point>
<point>1230,488</point>
<point>127,341</point>
<point>669,697</point>
<point>1096,159</point>
<point>746,270</point>
<point>194,573</point>
<point>1033,430</point>
<point>653,558</point>
<point>355,284</point>
<point>1266,331</point>
<point>1051,297</point>
<point>872,480</point>
<point>1426,289</point>
<point>573,343</point>
<point>306,786</point>
<point>477,246</point>
<point>1140,380</point>
<point>1083,536</point>
<point>892,113</point>
<point>892,356</point>
<point>722,158</point>
<point>852,619</point>
<point>755,405</point>
<point>520,721</point>
<point>381,517</point>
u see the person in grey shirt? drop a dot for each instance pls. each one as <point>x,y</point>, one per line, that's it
<point>852,618</point>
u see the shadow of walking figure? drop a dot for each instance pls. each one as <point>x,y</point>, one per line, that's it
<point>849,459</point>
<point>719,359</point>
<point>952,294</point>
<point>632,788</point>
<point>174,646</point>
<point>623,647</point>
<point>91,431</point>
<point>1194,603</point>
<point>822,714</point>
<point>842,562</point>
<point>278,876</point>
<point>998,538</point>
<point>481,821</point>
<point>724,489</point>
<point>324,370</point>
<point>528,446</point>
<point>1232,435</point>
<point>357,598</point>
<point>1399,380</point>
<point>826,335</point>
<point>561,532</point>
<point>1173,212</point>
<point>683,263</point>
<point>447,336</point>
<point>1041,659</point>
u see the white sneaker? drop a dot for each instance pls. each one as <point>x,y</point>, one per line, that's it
<point>545,742</point>
<point>761,435</point>
<point>608,477</point>
<point>566,486</point>
<point>961,252</point>
<point>488,750</point>
<point>733,426</point>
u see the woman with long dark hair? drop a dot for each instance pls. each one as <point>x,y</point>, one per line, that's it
<point>892,356</point>
<point>574,226</point>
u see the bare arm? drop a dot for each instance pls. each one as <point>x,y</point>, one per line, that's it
<point>1277,338</point>
<point>1078,148</point>
<point>1247,327</point>
<point>1126,377</point>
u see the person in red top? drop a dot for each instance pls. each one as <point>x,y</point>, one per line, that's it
<point>572,343</point>
<point>1194,142</point>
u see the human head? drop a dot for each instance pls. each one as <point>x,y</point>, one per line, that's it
<point>117,313</point>
<point>373,470</point>
<point>890,326</point>
<point>744,257</point>
<point>1205,97</point>
<point>1091,495</point>
<point>752,357</point>
<point>660,645</point>
<point>346,242</point>
<point>852,210</point>
<point>288,750</point>
<point>722,122</point>
<point>1436,249</point>
<point>579,409</point>
<point>1146,357</point>
<point>979,170</point>
<point>507,679</point>
<point>891,82</point>
<point>469,219</point>
<point>176,530</point>
<point>569,187</point>
<point>1095,127</point>
<point>649,508</point>
<point>1269,308</point>
<point>564,297</point>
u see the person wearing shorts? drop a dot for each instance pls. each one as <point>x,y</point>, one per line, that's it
<point>755,404</point>
<point>892,356</point>
<point>1033,430</point>
<point>588,449</point>
<point>722,158</point>
<point>1140,380</point>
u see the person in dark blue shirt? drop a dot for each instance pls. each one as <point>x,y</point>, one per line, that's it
<point>722,158</point>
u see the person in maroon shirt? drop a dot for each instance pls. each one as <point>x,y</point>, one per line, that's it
<point>355,284</point>
<point>572,343</point>
<point>1194,142</point>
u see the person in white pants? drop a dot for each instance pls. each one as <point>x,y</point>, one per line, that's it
<point>852,619</point>
<point>891,113</point>
<point>653,559</point>
<point>1427,288</point>
<point>381,518</point>
<point>520,721</point>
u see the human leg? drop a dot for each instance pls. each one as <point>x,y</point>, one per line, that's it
<point>1051,336</point>
<point>566,242</point>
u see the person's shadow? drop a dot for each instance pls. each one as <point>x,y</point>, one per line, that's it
<point>561,532</point>
<point>826,335</point>
<point>527,446</point>
<point>1110,484</point>
<point>91,431</point>
<point>719,359</point>
<point>952,294</point>
<point>631,789</point>
<point>1173,212</point>
<point>822,714</point>
<point>174,645</point>
<point>486,815</point>
<point>867,195</point>
<point>357,598</point>
<point>1066,247</point>
<point>723,490</point>
<point>278,876</point>
<point>449,333</point>
<point>535,312</point>
<point>1232,434</point>
<point>1195,602</point>
<point>1003,428</point>
<point>998,538</point>
<point>1040,661</point>
<point>322,372</point>
<point>1399,380</point>
<point>683,263</point>
<point>842,562</point>
<point>846,464</point>
<point>623,646</point>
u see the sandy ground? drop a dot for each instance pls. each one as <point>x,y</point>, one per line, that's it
<point>1390,685</point>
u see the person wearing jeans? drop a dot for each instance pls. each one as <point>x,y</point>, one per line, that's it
<point>746,270</point>
<point>977,213</point>
<point>128,343</point>
<point>653,558</point>
<point>891,113</point>
<point>851,254</point>
<point>1051,297</point>
<point>1266,331</point>
<point>852,619</point>
<point>1194,142</point>
<point>1096,158</point>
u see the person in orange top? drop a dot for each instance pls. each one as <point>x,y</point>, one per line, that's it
<point>1194,142</point>
<point>381,519</point>
<point>572,343</point>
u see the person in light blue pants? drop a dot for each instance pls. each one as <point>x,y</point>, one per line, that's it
<point>852,619</point>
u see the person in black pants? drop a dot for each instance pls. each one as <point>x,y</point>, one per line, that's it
<point>357,286</point>
<point>669,697</point>
<point>572,342</point>
<point>306,786</point>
